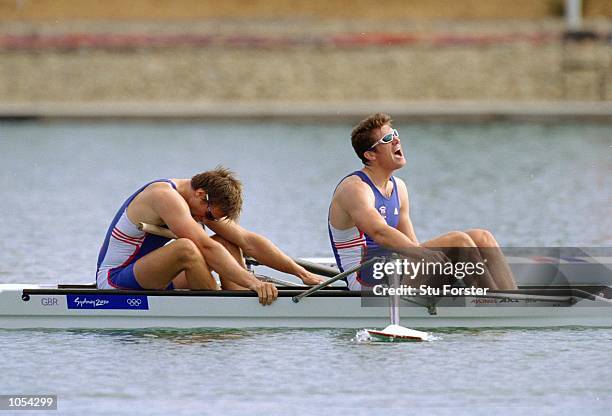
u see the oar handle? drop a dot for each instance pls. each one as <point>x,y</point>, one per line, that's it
<point>156,230</point>
<point>339,276</point>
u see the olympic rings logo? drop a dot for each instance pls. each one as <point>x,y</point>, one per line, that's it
<point>134,302</point>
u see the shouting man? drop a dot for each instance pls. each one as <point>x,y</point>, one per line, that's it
<point>370,214</point>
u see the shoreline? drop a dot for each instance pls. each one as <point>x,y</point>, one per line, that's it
<point>464,111</point>
<point>299,69</point>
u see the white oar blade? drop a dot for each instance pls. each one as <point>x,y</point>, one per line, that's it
<point>394,333</point>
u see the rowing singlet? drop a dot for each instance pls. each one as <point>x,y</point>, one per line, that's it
<point>123,245</point>
<point>352,246</point>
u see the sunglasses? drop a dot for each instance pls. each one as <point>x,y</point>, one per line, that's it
<point>209,215</point>
<point>387,138</point>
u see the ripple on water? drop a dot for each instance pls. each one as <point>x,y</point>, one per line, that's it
<point>316,369</point>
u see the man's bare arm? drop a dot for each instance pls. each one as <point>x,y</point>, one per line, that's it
<point>261,249</point>
<point>358,201</point>
<point>175,213</point>
<point>405,223</point>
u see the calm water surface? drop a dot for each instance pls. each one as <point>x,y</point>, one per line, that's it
<point>530,184</point>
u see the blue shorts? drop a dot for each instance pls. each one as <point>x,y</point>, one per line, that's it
<point>124,278</point>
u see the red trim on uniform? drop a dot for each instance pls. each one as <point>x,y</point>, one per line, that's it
<point>110,282</point>
<point>124,235</point>
<point>125,263</point>
<point>354,242</point>
<point>123,240</point>
<point>344,246</point>
<point>360,237</point>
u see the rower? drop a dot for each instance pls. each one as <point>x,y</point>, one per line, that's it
<point>369,215</point>
<point>133,259</point>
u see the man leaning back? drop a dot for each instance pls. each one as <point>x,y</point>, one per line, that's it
<point>370,214</point>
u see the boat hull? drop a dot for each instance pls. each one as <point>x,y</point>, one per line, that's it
<point>23,306</point>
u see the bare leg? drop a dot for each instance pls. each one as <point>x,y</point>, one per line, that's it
<point>180,281</point>
<point>236,253</point>
<point>496,261</point>
<point>158,268</point>
<point>462,240</point>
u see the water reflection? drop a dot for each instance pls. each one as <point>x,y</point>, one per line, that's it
<point>175,336</point>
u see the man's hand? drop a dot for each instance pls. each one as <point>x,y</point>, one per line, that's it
<point>311,279</point>
<point>266,291</point>
<point>421,253</point>
<point>432,256</point>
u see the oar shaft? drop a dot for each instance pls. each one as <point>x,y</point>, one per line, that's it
<point>315,268</point>
<point>156,230</point>
<point>339,276</point>
<point>276,281</point>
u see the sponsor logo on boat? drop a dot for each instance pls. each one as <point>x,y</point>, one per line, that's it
<point>94,303</point>
<point>107,301</point>
<point>479,301</point>
<point>508,300</point>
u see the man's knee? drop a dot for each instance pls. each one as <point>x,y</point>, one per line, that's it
<point>461,239</point>
<point>482,237</point>
<point>186,251</point>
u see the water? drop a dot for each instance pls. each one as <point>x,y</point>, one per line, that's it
<point>530,184</point>
<point>557,371</point>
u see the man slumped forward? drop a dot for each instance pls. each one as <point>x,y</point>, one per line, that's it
<point>370,215</point>
<point>133,259</point>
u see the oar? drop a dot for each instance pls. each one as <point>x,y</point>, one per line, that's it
<point>276,281</point>
<point>394,331</point>
<point>339,276</point>
<point>315,268</point>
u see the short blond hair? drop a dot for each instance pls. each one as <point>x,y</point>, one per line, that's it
<point>222,188</point>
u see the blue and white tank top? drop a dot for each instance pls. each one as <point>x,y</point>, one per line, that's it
<point>352,246</point>
<point>124,242</point>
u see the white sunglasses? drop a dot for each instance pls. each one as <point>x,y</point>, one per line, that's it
<point>387,138</point>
